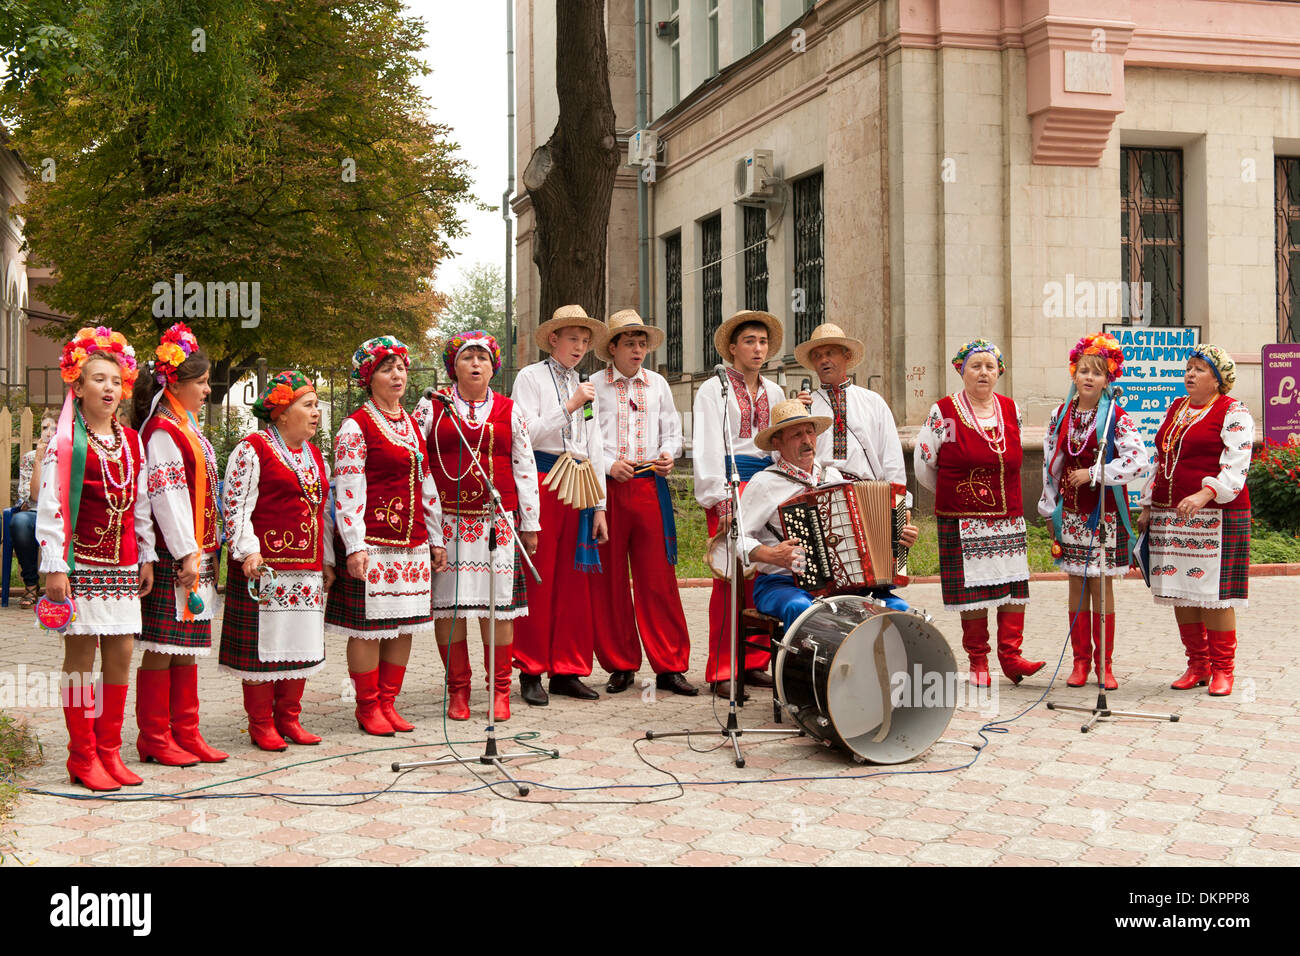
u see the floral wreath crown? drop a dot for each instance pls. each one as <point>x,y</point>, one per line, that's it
<point>178,343</point>
<point>89,340</point>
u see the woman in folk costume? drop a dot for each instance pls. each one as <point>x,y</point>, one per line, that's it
<point>496,429</point>
<point>1072,488</point>
<point>281,546</point>
<point>182,470</point>
<point>97,547</point>
<point>387,516</point>
<point>1197,508</point>
<point>968,452</point>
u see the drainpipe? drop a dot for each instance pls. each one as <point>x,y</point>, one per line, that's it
<point>642,187</point>
<point>510,181</point>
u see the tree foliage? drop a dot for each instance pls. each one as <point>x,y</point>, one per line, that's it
<point>217,139</point>
<point>477,301</point>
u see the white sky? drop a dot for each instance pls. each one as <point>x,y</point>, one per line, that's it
<point>467,89</point>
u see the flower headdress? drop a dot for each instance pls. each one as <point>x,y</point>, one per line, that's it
<point>1221,364</point>
<point>99,339</point>
<point>372,352</point>
<point>1103,344</point>
<point>178,343</point>
<point>463,340</point>
<point>973,346</point>
<point>281,391</point>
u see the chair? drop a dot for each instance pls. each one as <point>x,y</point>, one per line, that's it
<point>7,556</point>
<point>754,622</point>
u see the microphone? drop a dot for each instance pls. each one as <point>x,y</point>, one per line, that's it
<point>805,385</point>
<point>586,406</point>
<point>1116,392</point>
<point>440,397</point>
<point>721,372</point>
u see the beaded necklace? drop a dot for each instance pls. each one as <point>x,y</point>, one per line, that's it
<point>397,430</point>
<point>1183,423</point>
<point>996,435</point>
<point>117,490</point>
<point>1076,441</point>
<point>478,447</point>
<point>472,421</point>
<point>300,463</point>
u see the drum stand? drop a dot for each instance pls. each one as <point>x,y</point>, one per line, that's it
<point>491,756</point>
<point>1101,710</point>
<point>738,561</point>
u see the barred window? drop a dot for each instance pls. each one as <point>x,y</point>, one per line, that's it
<point>1287,186</point>
<point>673,278</point>
<point>711,268</point>
<point>1151,237</point>
<point>756,258</point>
<point>808,259</point>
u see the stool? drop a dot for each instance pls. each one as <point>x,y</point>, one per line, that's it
<point>753,621</point>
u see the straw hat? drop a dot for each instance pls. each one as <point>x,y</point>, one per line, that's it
<point>787,413</point>
<point>565,316</point>
<point>722,337</point>
<point>829,334</point>
<point>628,320</point>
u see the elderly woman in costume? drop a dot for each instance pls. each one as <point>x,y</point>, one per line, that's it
<point>388,519</point>
<point>97,548</point>
<point>281,561</point>
<point>498,433</point>
<point>968,452</point>
<point>178,612</point>
<point>1197,510</point>
<point>1073,487</point>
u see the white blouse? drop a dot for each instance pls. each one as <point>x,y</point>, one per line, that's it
<point>708,451</point>
<point>243,478</point>
<point>539,394</point>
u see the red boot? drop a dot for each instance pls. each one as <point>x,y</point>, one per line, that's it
<point>1111,683</point>
<point>1011,632</point>
<point>153,717</point>
<point>390,685</point>
<point>185,715</point>
<point>369,718</point>
<point>1223,655</point>
<point>503,674</point>
<point>84,766</point>
<point>455,657</point>
<point>259,698</point>
<point>1197,646</point>
<point>288,708</point>
<point>108,734</point>
<point>975,640</point>
<point>1081,644</point>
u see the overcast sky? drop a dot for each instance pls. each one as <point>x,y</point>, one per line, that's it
<point>467,89</point>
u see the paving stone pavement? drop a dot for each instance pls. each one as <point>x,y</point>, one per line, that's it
<point>1217,787</point>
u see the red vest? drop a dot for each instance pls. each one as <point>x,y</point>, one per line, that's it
<point>164,420</point>
<point>1197,458</point>
<point>290,529</point>
<point>394,505</point>
<point>974,480</point>
<point>106,535</point>
<point>1083,500</point>
<point>492,443</point>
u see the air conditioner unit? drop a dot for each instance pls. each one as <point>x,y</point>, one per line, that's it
<point>756,176</point>
<point>642,147</point>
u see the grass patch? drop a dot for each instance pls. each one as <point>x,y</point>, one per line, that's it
<point>1272,547</point>
<point>19,750</point>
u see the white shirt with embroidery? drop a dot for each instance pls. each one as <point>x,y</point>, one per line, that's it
<point>638,420</point>
<point>540,393</point>
<point>764,494</point>
<point>49,514</point>
<point>243,477</point>
<point>708,450</point>
<point>169,494</point>
<point>871,438</point>
<point>1238,436</point>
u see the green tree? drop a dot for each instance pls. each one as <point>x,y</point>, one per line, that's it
<point>477,301</point>
<point>236,141</point>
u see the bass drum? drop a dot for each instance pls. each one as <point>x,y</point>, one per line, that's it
<point>850,672</point>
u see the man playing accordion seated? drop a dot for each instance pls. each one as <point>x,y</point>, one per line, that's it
<point>793,436</point>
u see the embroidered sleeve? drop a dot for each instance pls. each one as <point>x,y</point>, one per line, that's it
<point>925,457</point>
<point>142,517</point>
<point>1047,501</point>
<point>707,450</point>
<point>423,416</point>
<point>525,472</point>
<point>350,486</point>
<point>1238,436</point>
<point>243,475</point>
<point>1130,462</point>
<point>169,495</point>
<point>49,516</point>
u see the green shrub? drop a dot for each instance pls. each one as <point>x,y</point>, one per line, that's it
<point>1274,483</point>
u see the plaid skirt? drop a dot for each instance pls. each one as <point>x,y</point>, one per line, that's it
<point>345,612</point>
<point>1185,553</point>
<point>956,595</point>
<point>239,629</point>
<point>162,632</point>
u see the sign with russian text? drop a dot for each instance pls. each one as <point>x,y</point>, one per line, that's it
<point>1281,367</point>
<point>1154,363</point>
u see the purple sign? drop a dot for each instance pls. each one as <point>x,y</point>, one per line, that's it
<point>1281,365</point>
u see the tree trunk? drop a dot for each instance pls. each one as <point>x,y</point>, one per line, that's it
<point>570,178</point>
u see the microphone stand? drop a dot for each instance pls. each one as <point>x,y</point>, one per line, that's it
<point>738,562</point>
<point>490,756</point>
<point>1101,710</point>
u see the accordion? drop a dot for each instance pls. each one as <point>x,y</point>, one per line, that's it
<point>851,534</point>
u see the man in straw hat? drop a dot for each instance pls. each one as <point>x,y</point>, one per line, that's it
<point>642,432</point>
<point>556,637</point>
<point>793,436</point>
<point>744,342</point>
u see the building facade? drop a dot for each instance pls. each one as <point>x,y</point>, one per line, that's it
<point>930,171</point>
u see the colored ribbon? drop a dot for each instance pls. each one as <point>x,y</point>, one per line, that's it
<point>189,428</point>
<point>71,444</point>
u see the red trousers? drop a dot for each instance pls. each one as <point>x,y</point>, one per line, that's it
<point>656,614</point>
<point>557,635</point>
<point>719,665</point>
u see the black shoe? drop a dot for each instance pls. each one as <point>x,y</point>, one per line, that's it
<point>676,683</point>
<point>620,681</point>
<point>530,689</point>
<point>758,678</point>
<point>722,689</point>
<point>568,685</point>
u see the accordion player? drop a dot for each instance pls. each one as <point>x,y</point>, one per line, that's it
<point>852,533</point>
